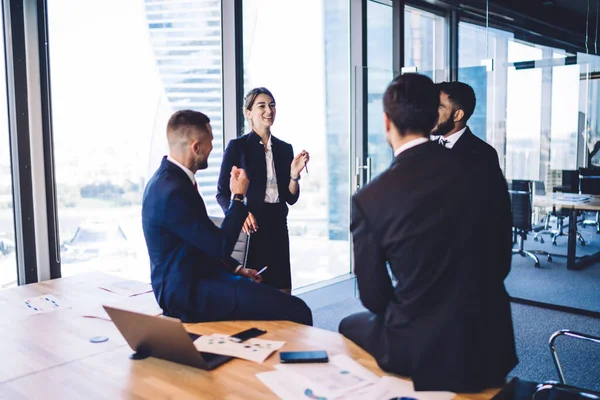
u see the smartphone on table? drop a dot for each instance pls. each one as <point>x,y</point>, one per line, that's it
<point>296,357</point>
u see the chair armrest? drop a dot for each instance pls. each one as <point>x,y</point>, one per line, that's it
<point>551,385</point>
<point>572,334</point>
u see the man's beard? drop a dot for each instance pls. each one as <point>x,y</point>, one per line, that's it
<point>443,128</point>
<point>202,164</point>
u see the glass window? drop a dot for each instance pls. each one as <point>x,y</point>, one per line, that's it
<point>309,75</point>
<point>533,113</point>
<point>8,258</point>
<point>425,42</point>
<point>380,33</point>
<point>113,91</point>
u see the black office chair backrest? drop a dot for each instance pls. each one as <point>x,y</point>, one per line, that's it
<point>570,181</point>
<point>520,198</point>
<point>240,251</point>
<point>589,180</point>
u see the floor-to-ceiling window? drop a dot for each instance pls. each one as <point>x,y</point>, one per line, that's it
<point>119,69</point>
<point>425,43</point>
<point>309,75</point>
<point>8,260</point>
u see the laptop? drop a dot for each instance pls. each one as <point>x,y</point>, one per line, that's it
<point>162,337</point>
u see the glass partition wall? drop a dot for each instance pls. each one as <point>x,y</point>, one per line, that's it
<point>538,107</point>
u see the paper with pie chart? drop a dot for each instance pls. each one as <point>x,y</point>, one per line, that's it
<point>257,350</point>
<point>339,376</point>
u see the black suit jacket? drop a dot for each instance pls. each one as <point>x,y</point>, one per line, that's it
<point>471,145</point>
<point>447,321</point>
<point>247,152</point>
<point>482,161</point>
<point>185,246</point>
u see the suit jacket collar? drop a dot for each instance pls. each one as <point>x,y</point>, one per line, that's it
<point>466,139</point>
<point>175,170</point>
<point>254,137</point>
<point>416,151</point>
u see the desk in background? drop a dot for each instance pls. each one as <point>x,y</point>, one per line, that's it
<point>54,359</point>
<point>572,202</point>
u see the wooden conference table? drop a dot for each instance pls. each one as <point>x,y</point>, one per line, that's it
<point>50,356</point>
<point>572,202</point>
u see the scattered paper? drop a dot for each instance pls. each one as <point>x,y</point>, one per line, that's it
<point>257,350</point>
<point>126,287</point>
<point>286,386</point>
<point>390,387</point>
<point>339,376</point>
<point>43,304</point>
<point>143,304</point>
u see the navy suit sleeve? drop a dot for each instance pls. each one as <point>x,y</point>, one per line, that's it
<point>374,283</point>
<point>186,220</point>
<point>231,157</point>
<point>290,198</point>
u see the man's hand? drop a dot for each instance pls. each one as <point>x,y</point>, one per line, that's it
<point>238,181</point>
<point>299,163</point>
<point>250,225</point>
<point>250,273</point>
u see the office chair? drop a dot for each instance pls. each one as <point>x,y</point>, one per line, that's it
<point>589,183</point>
<point>561,388</point>
<point>240,250</point>
<point>520,198</point>
<point>570,184</point>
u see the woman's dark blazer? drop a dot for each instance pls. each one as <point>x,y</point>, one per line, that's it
<point>248,152</point>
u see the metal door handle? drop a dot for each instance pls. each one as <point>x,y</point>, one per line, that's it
<point>359,171</point>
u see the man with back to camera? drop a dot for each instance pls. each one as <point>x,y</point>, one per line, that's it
<point>447,323</point>
<point>457,104</point>
<point>193,276</point>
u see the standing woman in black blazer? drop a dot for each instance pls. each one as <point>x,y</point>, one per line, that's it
<point>274,174</point>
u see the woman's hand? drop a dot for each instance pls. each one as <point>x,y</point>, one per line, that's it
<point>250,273</point>
<point>298,163</point>
<point>250,225</point>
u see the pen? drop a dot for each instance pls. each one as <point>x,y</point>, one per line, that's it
<point>261,271</point>
<point>306,168</point>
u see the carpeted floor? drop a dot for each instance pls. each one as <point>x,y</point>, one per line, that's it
<point>553,283</point>
<point>533,327</point>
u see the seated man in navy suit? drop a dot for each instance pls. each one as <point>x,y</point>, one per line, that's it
<point>193,276</point>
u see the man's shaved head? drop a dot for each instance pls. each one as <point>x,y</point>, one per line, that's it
<point>189,135</point>
<point>186,126</point>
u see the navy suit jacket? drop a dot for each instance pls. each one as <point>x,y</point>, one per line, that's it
<point>247,152</point>
<point>185,246</point>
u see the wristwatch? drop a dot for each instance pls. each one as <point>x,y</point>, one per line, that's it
<point>238,197</point>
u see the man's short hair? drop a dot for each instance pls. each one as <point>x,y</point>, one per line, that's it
<point>411,102</point>
<point>185,121</point>
<point>460,95</point>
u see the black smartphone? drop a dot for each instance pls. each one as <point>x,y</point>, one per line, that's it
<point>248,334</point>
<point>292,357</point>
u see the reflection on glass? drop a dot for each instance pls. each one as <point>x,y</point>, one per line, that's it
<point>379,75</point>
<point>567,120</point>
<point>111,102</point>
<point>425,42</point>
<point>309,76</point>
<point>523,123</point>
<point>8,259</point>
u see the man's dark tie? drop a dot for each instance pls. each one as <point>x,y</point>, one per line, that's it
<point>442,141</point>
<point>196,185</point>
